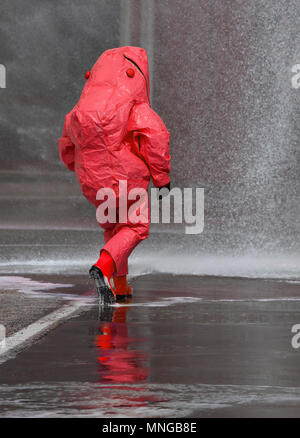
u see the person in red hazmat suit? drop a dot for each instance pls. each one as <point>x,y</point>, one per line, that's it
<point>113,135</point>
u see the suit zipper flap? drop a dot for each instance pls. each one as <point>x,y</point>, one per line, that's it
<point>135,64</point>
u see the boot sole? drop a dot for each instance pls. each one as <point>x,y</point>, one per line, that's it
<point>123,297</point>
<point>105,294</point>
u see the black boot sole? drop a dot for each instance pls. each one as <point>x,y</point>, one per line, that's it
<point>105,294</point>
<point>123,297</point>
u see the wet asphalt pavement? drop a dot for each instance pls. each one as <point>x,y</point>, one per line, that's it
<point>185,346</point>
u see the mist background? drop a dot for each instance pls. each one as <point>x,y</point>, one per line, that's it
<point>221,79</point>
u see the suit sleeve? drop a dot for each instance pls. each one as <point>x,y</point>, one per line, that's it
<point>66,149</point>
<point>153,142</point>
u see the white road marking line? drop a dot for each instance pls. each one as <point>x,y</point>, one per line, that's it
<point>39,327</point>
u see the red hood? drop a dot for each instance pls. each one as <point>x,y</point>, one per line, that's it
<point>109,86</point>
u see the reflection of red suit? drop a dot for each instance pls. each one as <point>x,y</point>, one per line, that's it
<point>120,364</point>
<point>113,135</point>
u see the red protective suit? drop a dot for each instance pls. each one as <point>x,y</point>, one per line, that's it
<point>112,134</point>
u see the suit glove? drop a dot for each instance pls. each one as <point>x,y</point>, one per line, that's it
<point>164,191</point>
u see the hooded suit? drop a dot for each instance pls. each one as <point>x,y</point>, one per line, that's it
<point>113,135</point>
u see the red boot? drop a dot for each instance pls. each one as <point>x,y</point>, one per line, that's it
<point>122,289</point>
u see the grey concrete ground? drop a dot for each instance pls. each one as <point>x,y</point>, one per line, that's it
<point>184,346</point>
<point>18,311</point>
<point>24,301</point>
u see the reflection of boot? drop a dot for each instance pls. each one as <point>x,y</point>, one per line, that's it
<point>120,314</point>
<point>122,289</point>
<point>106,313</point>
